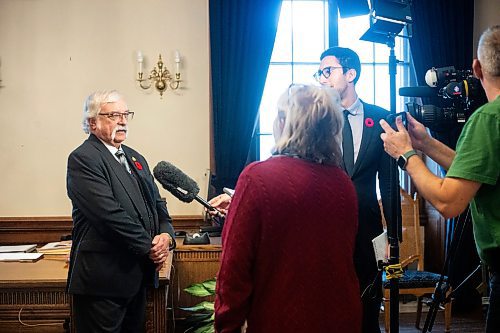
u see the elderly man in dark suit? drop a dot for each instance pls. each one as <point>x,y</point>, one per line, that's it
<point>122,232</point>
<point>364,159</point>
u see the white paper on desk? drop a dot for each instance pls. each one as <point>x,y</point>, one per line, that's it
<point>17,248</point>
<point>380,246</point>
<point>56,246</point>
<point>21,256</point>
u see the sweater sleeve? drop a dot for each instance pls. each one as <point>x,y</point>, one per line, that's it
<point>240,244</point>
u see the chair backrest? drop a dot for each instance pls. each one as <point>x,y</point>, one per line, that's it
<point>411,248</point>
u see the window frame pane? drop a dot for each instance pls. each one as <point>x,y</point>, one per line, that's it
<point>374,60</point>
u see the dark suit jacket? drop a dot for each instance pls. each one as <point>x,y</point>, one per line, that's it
<point>115,217</point>
<point>372,159</point>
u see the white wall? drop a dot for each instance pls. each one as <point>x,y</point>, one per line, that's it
<point>53,53</point>
<point>486,13</point>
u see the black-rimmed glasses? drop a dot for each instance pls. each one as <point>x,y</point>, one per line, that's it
<point>118,115</point>
<point>326,72</point>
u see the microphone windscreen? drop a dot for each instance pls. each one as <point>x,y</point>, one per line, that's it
<point>175,181</point>
<point>422,91</point>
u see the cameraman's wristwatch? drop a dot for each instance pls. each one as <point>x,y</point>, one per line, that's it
<point>403,159</point>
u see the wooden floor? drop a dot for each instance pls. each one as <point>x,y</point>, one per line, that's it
<point>472,322</point>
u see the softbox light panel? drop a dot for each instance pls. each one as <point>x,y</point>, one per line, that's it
<point>350,8</point>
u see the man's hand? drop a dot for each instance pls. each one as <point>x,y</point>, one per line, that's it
<point>159,251</point>
<point>221,202</point>
<point>419,136</point>
<point>396,143</point>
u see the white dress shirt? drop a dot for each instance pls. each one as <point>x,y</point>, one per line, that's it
<point>356,118</point>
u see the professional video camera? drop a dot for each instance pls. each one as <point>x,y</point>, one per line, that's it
<point>457,92</point>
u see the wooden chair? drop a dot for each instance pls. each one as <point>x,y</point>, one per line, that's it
<point>414,281</point>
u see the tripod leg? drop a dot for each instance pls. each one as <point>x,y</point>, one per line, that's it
<point>431,316</point>
<point>493,317</point>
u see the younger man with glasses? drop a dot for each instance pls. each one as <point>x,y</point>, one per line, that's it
<point>122,232</point>
<point>364,159</point>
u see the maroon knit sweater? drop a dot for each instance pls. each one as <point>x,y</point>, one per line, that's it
<point>287,259</point>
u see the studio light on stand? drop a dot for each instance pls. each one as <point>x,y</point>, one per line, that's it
<point>160,77</point>
<point>387,20</point>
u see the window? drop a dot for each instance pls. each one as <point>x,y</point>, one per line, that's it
<point>301,38</point>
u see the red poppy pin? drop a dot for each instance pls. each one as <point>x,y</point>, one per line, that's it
<point>369,122</point>
<point>137,164</point>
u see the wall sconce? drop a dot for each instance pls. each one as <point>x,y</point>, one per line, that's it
<point>161,77</point>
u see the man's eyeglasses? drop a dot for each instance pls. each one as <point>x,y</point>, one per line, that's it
<point>118,115</point>
<point>326,72</point>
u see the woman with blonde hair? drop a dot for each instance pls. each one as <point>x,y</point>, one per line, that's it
<point>288,240</point>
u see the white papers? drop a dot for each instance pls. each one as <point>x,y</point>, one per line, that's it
<point>17,248</point>
<point>21,256</point>
<point>228,191</point>
<point>380,246</point>
<point>56,247</point>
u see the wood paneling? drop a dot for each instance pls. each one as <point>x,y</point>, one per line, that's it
<point>435,238</point>
<point>44,229</point>
<point>26,230</point>
<point>36,293</point>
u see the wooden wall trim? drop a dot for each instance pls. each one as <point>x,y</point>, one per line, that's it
<point>34,229</point>
<point>44,229</point>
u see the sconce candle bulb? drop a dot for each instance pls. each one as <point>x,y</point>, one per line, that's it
<point>140,60</point>
<point>161,77</point>
<point>177,61</point>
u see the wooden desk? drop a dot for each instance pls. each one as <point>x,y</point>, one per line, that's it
<point>193,264</point>
<point>36,291</point>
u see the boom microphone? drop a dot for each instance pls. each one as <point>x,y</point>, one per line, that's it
<point>422,91</point>
<point>179,184</point>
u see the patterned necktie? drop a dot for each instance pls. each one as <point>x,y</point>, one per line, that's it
<point>347,145</point>
<point>123,161</point>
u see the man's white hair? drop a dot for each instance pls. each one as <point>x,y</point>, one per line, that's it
<point>94,102</point>
<point>488,51</point>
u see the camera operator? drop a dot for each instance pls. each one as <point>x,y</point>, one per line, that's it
<point>473,169</point>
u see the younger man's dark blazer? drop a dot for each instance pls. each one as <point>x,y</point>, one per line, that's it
<point>372,160</point>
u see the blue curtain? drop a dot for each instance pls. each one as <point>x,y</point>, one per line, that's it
<point>242,34</point>
<point>442,36</point>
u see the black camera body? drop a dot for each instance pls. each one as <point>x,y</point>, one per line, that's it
<point>457,94</point>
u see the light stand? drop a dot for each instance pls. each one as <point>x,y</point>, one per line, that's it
<point>394,229</point>
<point>394,232</point>
<point>384,29</point>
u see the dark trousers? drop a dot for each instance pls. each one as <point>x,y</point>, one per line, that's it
<point>110,314</point>
<point>370,284</point>
<point>493,318</point>
<point>371,300</point>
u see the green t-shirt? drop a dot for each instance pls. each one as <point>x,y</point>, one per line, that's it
<point>478,159</point>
